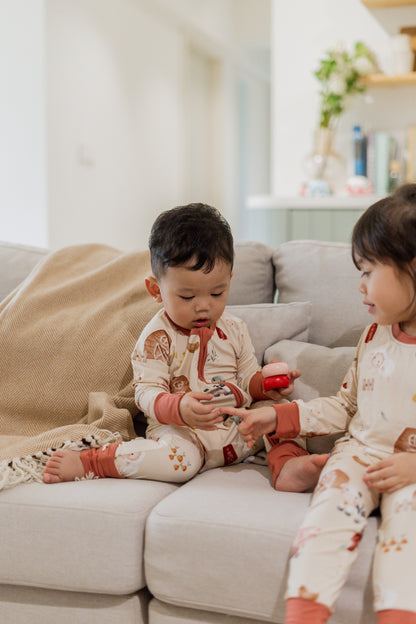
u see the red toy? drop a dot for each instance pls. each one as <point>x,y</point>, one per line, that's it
<point>276,381</point>
<point>275,376</point>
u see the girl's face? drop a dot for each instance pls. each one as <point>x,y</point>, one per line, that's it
<point>389,295</point>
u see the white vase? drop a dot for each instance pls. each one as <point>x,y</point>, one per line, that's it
<point>323,164</point>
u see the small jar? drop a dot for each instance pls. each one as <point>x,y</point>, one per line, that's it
<point>402,54</point>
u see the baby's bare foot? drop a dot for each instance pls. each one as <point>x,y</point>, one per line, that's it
<point>301,474</point>
<point>63,466</point>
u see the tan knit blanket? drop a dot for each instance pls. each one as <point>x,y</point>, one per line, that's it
<point>66,336</point>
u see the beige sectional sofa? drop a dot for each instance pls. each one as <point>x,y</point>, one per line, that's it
<point>216,549</point>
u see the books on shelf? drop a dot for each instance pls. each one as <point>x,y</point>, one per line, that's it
<point>411,155</point>
<point>390,159</point>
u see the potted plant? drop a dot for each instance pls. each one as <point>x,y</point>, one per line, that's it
<point>339,73</point>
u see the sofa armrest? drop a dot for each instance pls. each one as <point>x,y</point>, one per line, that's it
<point>16,262</point>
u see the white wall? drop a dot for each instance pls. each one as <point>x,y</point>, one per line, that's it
<point>23,170</point>
<point>121,109</point>
<point>113,110</point>
<point>115,121</point>
<point>302,30</point>
<point>140,113</point>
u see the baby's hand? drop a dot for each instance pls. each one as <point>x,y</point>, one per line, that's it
<point>393,473</point>
<point>199,415</point>
<point>280,368</point>
<point>255,422</point>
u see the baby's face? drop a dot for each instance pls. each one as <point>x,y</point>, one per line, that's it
<point>195,298</point>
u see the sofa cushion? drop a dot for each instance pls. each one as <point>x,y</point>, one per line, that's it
<point>21,605</point>
<point>268,323</point>
<point>221,543</point>
<point>162,613</point>
<point>253,274</point>
<point>324,274</point>
<point>16,262</point>
<point>85,536</point>
<point>323,371</point>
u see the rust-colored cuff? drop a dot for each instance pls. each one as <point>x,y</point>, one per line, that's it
<point>306,610</point>
<point>256,387</point>
<point>100,461</point>
<point>396,616</point>
<point>167,408</point>
<point>287,422</point>
<point>281,453</point>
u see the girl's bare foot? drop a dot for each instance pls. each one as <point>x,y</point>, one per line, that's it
<point>301,474</point>
<point>63,466</point>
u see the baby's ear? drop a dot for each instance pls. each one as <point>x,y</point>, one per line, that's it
<point>152,288</point>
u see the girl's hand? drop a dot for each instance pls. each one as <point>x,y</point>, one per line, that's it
<point>199,415</point>
<point>393,473</point>
<point>255,422</point>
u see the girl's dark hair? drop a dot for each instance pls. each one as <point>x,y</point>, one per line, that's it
<point>195,232</point>
<point>386,232</point>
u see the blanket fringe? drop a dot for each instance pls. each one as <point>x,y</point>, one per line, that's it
<point>21,470</point>
<point>30,469</point>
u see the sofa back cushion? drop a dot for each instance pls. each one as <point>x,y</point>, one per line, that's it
<point>253,275</point>
<point>252,282</point>
<point>323,370</point>
<point>324,274</point>
<point>268,323</point>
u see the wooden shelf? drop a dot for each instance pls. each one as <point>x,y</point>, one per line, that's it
<point>386,80</point>
<point>393,4</point>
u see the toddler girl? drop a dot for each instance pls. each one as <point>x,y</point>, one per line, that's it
<point>374,463</point>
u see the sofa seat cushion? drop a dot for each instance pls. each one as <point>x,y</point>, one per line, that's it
<point>324,274</point>
<point>162,613</point>
<point>84,536</point>
<point>221,543</point>
<point>24,605</point>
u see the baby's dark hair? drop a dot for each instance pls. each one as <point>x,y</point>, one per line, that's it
<point>194,232</point>
<point>386,231</point>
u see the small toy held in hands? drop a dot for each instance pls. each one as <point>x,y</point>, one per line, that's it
<point>275,376</point>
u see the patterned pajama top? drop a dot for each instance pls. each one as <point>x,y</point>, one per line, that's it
<point>169,361</point>
<point>376,404</point>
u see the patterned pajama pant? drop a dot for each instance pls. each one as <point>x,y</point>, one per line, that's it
<point>325,546</point>
<point>172,453</point>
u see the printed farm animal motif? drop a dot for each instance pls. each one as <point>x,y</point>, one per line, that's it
<point>407,503</point>
<point>179,384</point>
<point>406,441</point>
<point>128,463</point>
<point>218,390</point>
<point>332,479</point>
<point>352,503</point>
<point>157,345</point>
<point>382,363</point>
<point>303,535</point>
<point>304,593</point>
<point>355,540</point>
<point>192,346</point>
